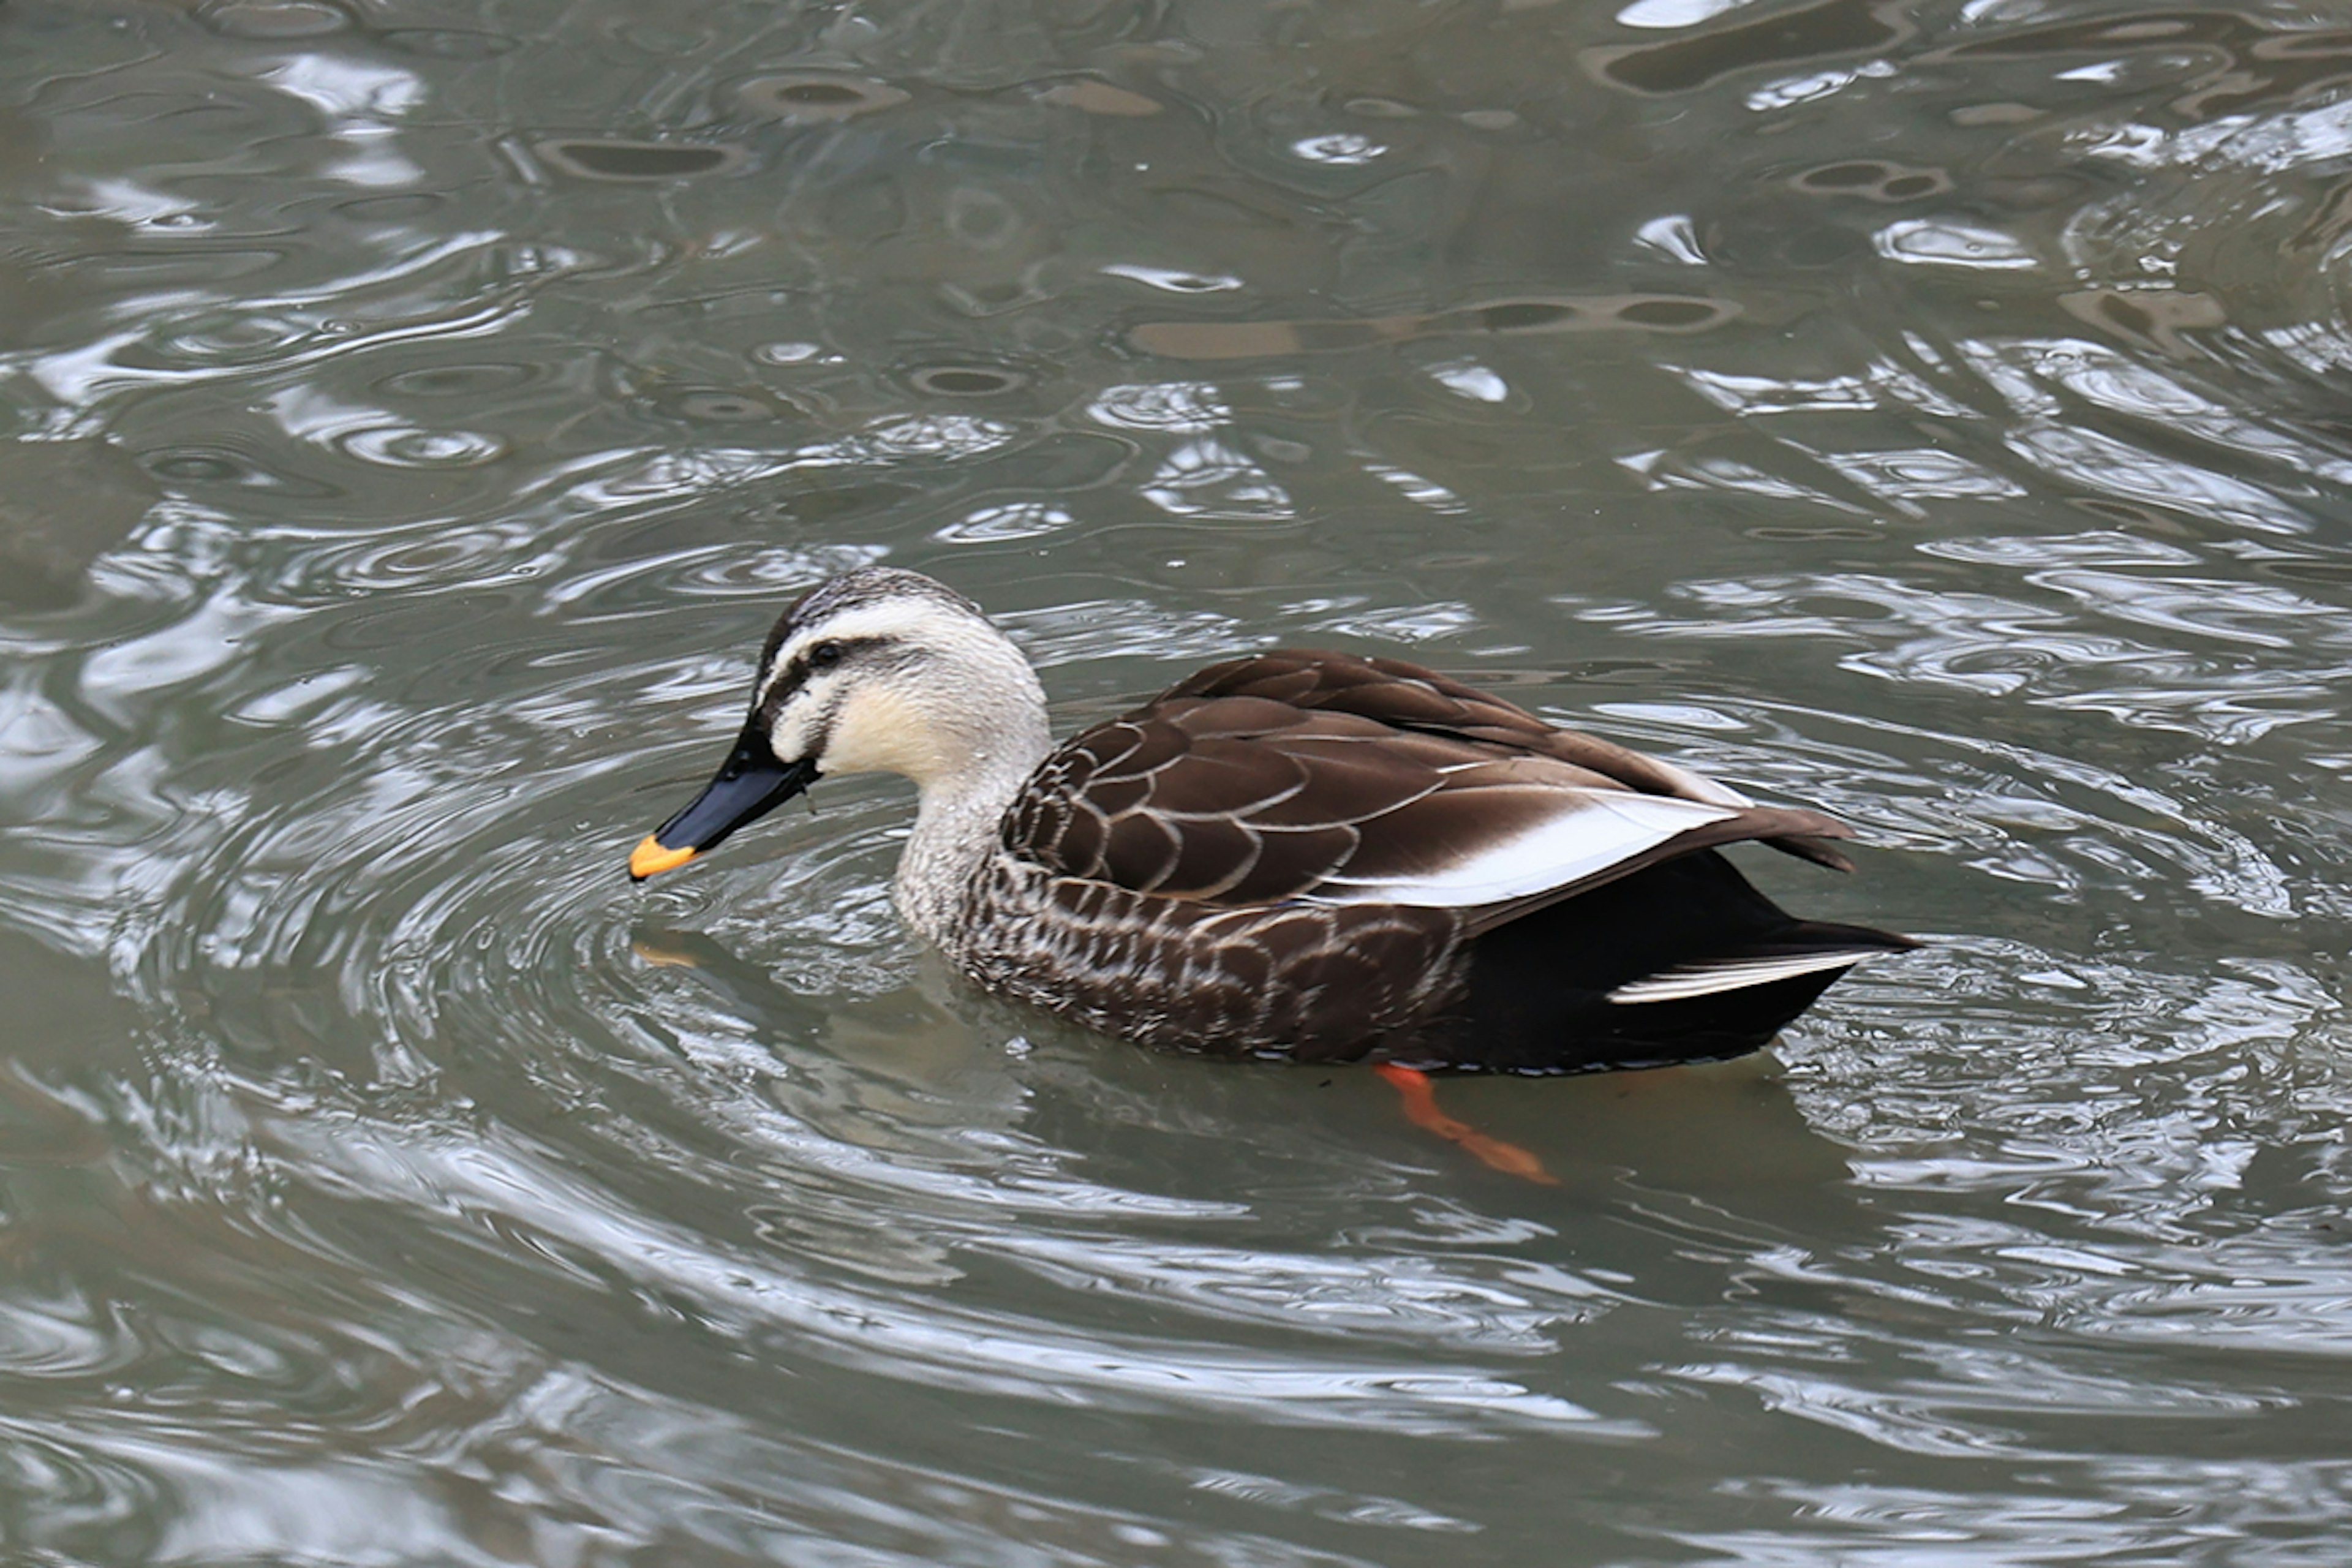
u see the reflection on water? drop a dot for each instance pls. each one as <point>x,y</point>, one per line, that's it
<point>408,426</point>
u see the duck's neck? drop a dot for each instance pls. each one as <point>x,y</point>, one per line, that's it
<point>958,825</point>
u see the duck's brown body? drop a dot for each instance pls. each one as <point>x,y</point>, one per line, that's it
<point>1174,876</point>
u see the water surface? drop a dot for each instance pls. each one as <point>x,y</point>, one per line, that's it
<point>412,414</point>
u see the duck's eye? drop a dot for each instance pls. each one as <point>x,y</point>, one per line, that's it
<point>824,655</point>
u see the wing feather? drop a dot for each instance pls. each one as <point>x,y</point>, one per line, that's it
<point>1341,780</point>
<point>1584,834</point>
<point>1686,981</point>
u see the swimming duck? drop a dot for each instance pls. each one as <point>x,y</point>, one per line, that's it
<point>1311,855</point>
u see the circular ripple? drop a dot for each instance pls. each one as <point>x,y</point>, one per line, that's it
<point>404,447</point>
<point>1873,180</point>
<point>811,98</point>
<point>230,338</point>
<point>790,352</point>
<point>196,466</point>
<point>636,162</point>
<point>716,405</point>
<point>451,556</point>
<point>461,380</point>
<point>274,18</point>
<point>968,380</point>
<point>222,464</point>
<point>774,575</point>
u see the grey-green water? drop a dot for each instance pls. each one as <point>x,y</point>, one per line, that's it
<point>412,413</point>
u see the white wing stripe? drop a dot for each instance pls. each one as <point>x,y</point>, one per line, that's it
<point>1688,980</point>
<point>1597,829</point>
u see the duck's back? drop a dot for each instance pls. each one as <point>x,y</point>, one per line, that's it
<point>1324,856</point>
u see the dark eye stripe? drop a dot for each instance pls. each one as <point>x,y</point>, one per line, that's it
<point>848,651</point>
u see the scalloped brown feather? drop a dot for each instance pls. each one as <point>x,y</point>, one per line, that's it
<point>1261,779</point>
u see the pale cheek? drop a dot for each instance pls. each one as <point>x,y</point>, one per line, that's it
<point>845,750</point>
<point>864,750</point>
<point>790,739</point>
<point>878,735</point>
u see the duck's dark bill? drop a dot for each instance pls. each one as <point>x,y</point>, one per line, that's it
<point>751,785</point>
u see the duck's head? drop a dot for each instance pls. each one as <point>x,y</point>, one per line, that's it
<point>878,670</point>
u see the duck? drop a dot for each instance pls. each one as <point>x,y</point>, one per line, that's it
<point>1300,855</point>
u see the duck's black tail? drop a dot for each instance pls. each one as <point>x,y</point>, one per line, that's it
<point>1680,961</point>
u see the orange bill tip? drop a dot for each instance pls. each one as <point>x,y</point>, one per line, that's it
<point>650,858</point>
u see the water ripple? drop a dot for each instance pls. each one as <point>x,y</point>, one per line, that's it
<point>1932,418</point>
